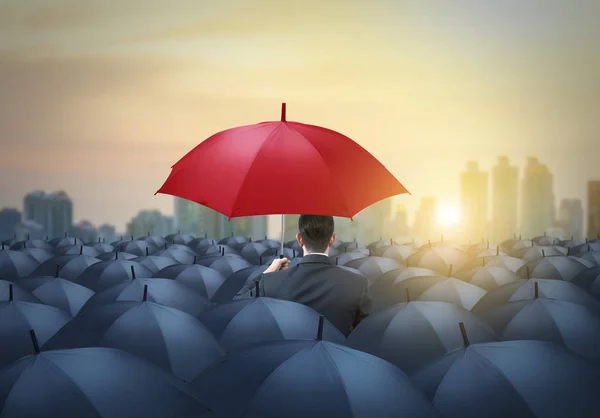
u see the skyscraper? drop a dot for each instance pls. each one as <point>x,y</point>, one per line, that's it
<point>505,196</point>
<point>54,212</point>
<point>400,224</point>
<point>424,226</point>
<point>537,199</point>
<point>254,227</point>
<point>593,209</point>
<point>570,218</point>
<point>9,221</point>
<point>85,231</point>
<point>150,222</point>
<point>189,217</point>
<point>474,197</point>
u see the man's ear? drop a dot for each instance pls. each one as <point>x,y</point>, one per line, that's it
<point>332,240</point>
<point>299,239</point>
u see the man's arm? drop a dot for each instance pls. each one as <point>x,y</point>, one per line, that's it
<point>250,290</point>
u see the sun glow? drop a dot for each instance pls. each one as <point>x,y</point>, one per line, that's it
<point>448,215</point>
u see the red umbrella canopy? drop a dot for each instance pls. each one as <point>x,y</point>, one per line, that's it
<point>281,168</point>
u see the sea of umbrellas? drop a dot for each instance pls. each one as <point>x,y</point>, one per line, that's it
<point>151,327</point>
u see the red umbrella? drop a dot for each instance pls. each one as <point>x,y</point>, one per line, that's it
<point>246,171</point>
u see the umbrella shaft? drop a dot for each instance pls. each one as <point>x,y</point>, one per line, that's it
<point>282,233</point>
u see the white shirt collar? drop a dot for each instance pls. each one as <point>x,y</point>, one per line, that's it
<point>326,255</point>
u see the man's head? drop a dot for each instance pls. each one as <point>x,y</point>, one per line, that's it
<point>315,233</point>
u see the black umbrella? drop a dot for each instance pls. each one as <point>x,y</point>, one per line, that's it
<point>78,250</point>
<point>243,323</point>
<point>91,382</point>
<point>547,240</point>
<point>438,259</point>
<point>586,248</point>
<point>197,244</point>
<point>234,241</point>
<point>103,248</point>
<point>182,239</point>
<point>15,264</point>
<point>397,252</point>
<point>239,280</point>
<point>116,255</point>
<point>564,323</point>
<point>17,318</point>
<point>165,292</point>
<point>228,265</point>
<point>137,247</point>
<point>511,379</point>
<point>167,337</point>
<point>554,268</point>
<point>384,292</point>
<point>374,267</point>
<point>299,379</point>
<point>592,257</point>
<point>525,290</point>
<point>58,292</point>
<point>155,262</point>
<point>155,240</point>
<point>31,243</point>
<point>269,243</point>
<point>39,255</point>
<point>179,255</point>
<point>13,291</point>
<point>204,280</point>
<point>489,277</point>
<point>106,274</point>
<point>511,263</point>
<point>253,251</point>
<point>71,266</point>
<point>65,242</point>
<point>412,334</point>
<point>589,279</point>
<point>538,252</point>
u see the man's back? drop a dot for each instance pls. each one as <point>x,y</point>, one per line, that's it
<point>338,294</point>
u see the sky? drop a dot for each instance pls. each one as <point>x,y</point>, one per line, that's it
<point>100,98</point>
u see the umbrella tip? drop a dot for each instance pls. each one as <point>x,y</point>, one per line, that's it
<point>283,115</point>
<point>145,297</point>
<point>463,331</point>
<point>132,273</point>
<point>256,288</point>
<point>36,347</point>
<point>57,270</point>
<point>407,295</point>
<point>10,292</point>
<point>535,290</point>
<point>320,329</point>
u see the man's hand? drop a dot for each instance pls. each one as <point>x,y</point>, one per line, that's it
<point>277,264</point>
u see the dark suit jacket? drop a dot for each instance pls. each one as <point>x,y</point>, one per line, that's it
<point>340,295</point>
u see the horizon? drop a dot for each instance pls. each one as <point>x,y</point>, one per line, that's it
<point>101,99</point>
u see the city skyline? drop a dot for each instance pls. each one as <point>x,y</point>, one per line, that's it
<point>120,91</point>
<point>484,192</point>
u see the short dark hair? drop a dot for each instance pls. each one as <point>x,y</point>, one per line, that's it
<point>316,231</point>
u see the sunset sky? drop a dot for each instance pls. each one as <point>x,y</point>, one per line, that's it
<point>100,98</point>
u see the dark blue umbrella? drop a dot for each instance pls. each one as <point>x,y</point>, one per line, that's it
<point>166,292</point>
<point>287,253</point>
<point>91,382</point>
<point>58,292</point>
<point>116,255</point>
<point>181,239</point>
<point>216,251</point>
<point>179,255</point>
<point>564,323</point>
<point>64,242</point>
<point>242,323</point>
<point>167,337</point>
<point>397,252</point>
<point>78,250</point>
<point>589,280</point>
<point>511,263</point>
<point>346,258</point>
<point>17,318</point>
<point>71,266</point>
<point>384,292</point>
<point>525,290</point>
<point>155,262</point>
<point>571,243</point>
<point>593,257</point>
<point>270,243</point>
<point>351,246</point>
<point>239,280</point>
<point>545,240</point>
<point>516,244</point>
<point>438,259</point>
<point>374,267</point>
<point>586,248</point>
<point>293,244</point>
<point>106,274</point>
<point>155,240</point>
<point>489,277</point>
<point>15,264</point>
<point>538,252</point>
<point>31,243</point>
<point>512,379</point>
<point>38,254</point>
<point>412,334</point>
<point>16,291</point>
<point>137,247</point>
<point>253,251</point>
<point>103,248</point>
<point>234,241</point>
<point>204,280</point>
<point>228,265</point>
<point>309,379</point>
<point>382,243</point>
<point>554,268</point>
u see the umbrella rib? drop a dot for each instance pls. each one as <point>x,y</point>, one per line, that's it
<point>267,139</point>
<point>328,170</point>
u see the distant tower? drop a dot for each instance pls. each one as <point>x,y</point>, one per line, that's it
<point>593,209</point>
<point>474,196</point>
<point>54,212</point>
<point>424,226</point>
<point>401,228</point>
<point>570,218</point>
<point>505,196</point>
<point>537,201</point>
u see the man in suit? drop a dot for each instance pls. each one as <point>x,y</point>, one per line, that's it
<point>338,294</point>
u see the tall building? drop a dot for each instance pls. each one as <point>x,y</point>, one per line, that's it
<point>424,226</point>
<point>474,198</point>
<point>537,200</point>
<point>570,218</point>
<point>150,222</point>
<point>505,197</point>
<point>85,231</point>
<point>400,225</point>
<point>254,227</point>
<point>189,217</point>
<point>54,212</point>
<point>107,233</point>
<point>9,221</point>
<point>593,209</point>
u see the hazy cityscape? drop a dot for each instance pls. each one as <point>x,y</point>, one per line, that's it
<point>494,205</point>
